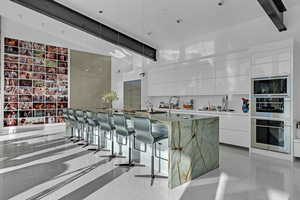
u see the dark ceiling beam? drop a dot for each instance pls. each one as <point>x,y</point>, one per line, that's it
<point>275,10</point>
<point>75,19</point>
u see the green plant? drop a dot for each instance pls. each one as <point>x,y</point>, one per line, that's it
<point>110,97</point>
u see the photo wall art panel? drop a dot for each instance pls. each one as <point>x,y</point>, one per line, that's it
<point>35,83</point>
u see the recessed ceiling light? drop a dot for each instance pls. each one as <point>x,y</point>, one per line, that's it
<point>149,33</point>
<point>100,11</point>
<point>178,21</point>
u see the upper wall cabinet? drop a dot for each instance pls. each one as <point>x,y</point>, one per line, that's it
<point>233,67</point>
<point>272,63</point>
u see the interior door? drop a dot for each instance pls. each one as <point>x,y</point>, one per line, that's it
<point>132,95</point>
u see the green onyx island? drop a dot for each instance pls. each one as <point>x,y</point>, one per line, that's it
<point>193,145</point>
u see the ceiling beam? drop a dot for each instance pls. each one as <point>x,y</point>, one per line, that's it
<point>275,10</point>
<point>77,20</point>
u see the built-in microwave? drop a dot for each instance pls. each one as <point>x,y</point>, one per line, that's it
<point>278,86</point>
<point>272,107</point>
<point>273,135</point>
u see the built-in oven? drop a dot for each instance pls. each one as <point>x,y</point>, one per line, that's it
<point>278,86</point>
<point>272,107</point>
<point>273,135</point>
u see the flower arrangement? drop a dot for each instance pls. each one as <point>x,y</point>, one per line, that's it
<point>110,97</point>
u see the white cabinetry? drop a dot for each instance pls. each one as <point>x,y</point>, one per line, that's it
<point>272,63</point>
<point>235,130</point>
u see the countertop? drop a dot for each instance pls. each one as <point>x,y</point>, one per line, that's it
<point>179,117</point>
<point>210,113</point>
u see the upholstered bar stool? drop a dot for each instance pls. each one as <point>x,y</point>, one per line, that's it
<point>106,125</point>
<point>122,129</point>
<point>74,125</point>
<point>93,128</point>
<point>81,119</point>
<point>143,133</point>
<point>67,121</point>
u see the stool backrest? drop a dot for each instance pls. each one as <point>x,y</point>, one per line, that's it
<point>120,125</point>
<point>91,118</point>
<point>104,121</point>
<point>143,128</point>
<point>66,113</point>
<point>72,115</point>
<point>80,116</point>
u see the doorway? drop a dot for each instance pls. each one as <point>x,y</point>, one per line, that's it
<point>132,95</point>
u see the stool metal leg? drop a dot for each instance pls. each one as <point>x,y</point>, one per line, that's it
<point>152,175</point>
<point>112,155</point>
<point>130,162</point>
<point>99,148</point>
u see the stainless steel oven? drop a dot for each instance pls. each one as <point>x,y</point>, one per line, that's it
<point>277,86</point>
<point>272,107</point>
<point>273,135</point>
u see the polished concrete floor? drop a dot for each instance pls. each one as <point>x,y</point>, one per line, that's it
<point>42,164</point>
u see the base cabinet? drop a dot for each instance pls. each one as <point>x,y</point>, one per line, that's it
<point>236,138</point>
<point>297,149</point>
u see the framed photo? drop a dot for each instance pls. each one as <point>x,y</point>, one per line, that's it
<point>11,106</point>
<point>11,74</point>
<point>38,83</point>
<point>11,66</point>
<point>11,50</point>
<point>25,67</point>
<point>39,46</point>
<point>38,99</point>
<point>25,98</point>
<point>10,114</point>
<point>25,114</point>
<point>25,75</point>
<point>25,44</point>
<point>38,106</point>
<point>11,82</point>
<point>26,52</point>
<point>11,59</point>
<point>25,106</point>
<point>25,90</point>
<point>11,42</point>
<point>11,90</point>
<point>10,122</point>
<point>11,98</point>
<point>26,83</point>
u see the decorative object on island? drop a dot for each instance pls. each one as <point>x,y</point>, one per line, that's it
<point>110,97</point>
<point>245,106</point>
<point>35,83</point>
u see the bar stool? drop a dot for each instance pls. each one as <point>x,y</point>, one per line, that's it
<point>81,120</point>
<point>74,125</point>
<point>122,129</point>
<point>92,125</point>
<point>67,121</point>
<point>144,134</point>
<point>106,125</point>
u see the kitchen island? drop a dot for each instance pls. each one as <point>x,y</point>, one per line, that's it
<point>193,143</point>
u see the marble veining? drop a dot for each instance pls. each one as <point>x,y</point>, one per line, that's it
<point>193,146</point>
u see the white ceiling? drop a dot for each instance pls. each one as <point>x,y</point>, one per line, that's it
<point>139,17</point>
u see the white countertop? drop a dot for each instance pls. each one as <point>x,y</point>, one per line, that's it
<point>214,113</point>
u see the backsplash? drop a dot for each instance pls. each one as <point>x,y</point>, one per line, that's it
<point>234,101</point>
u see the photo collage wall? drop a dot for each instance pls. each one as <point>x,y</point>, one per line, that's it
<point>35,83</point>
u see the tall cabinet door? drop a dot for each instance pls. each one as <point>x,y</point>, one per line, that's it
<point>132,95</point>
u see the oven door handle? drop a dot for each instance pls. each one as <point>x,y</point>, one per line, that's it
<point>278,127</point>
